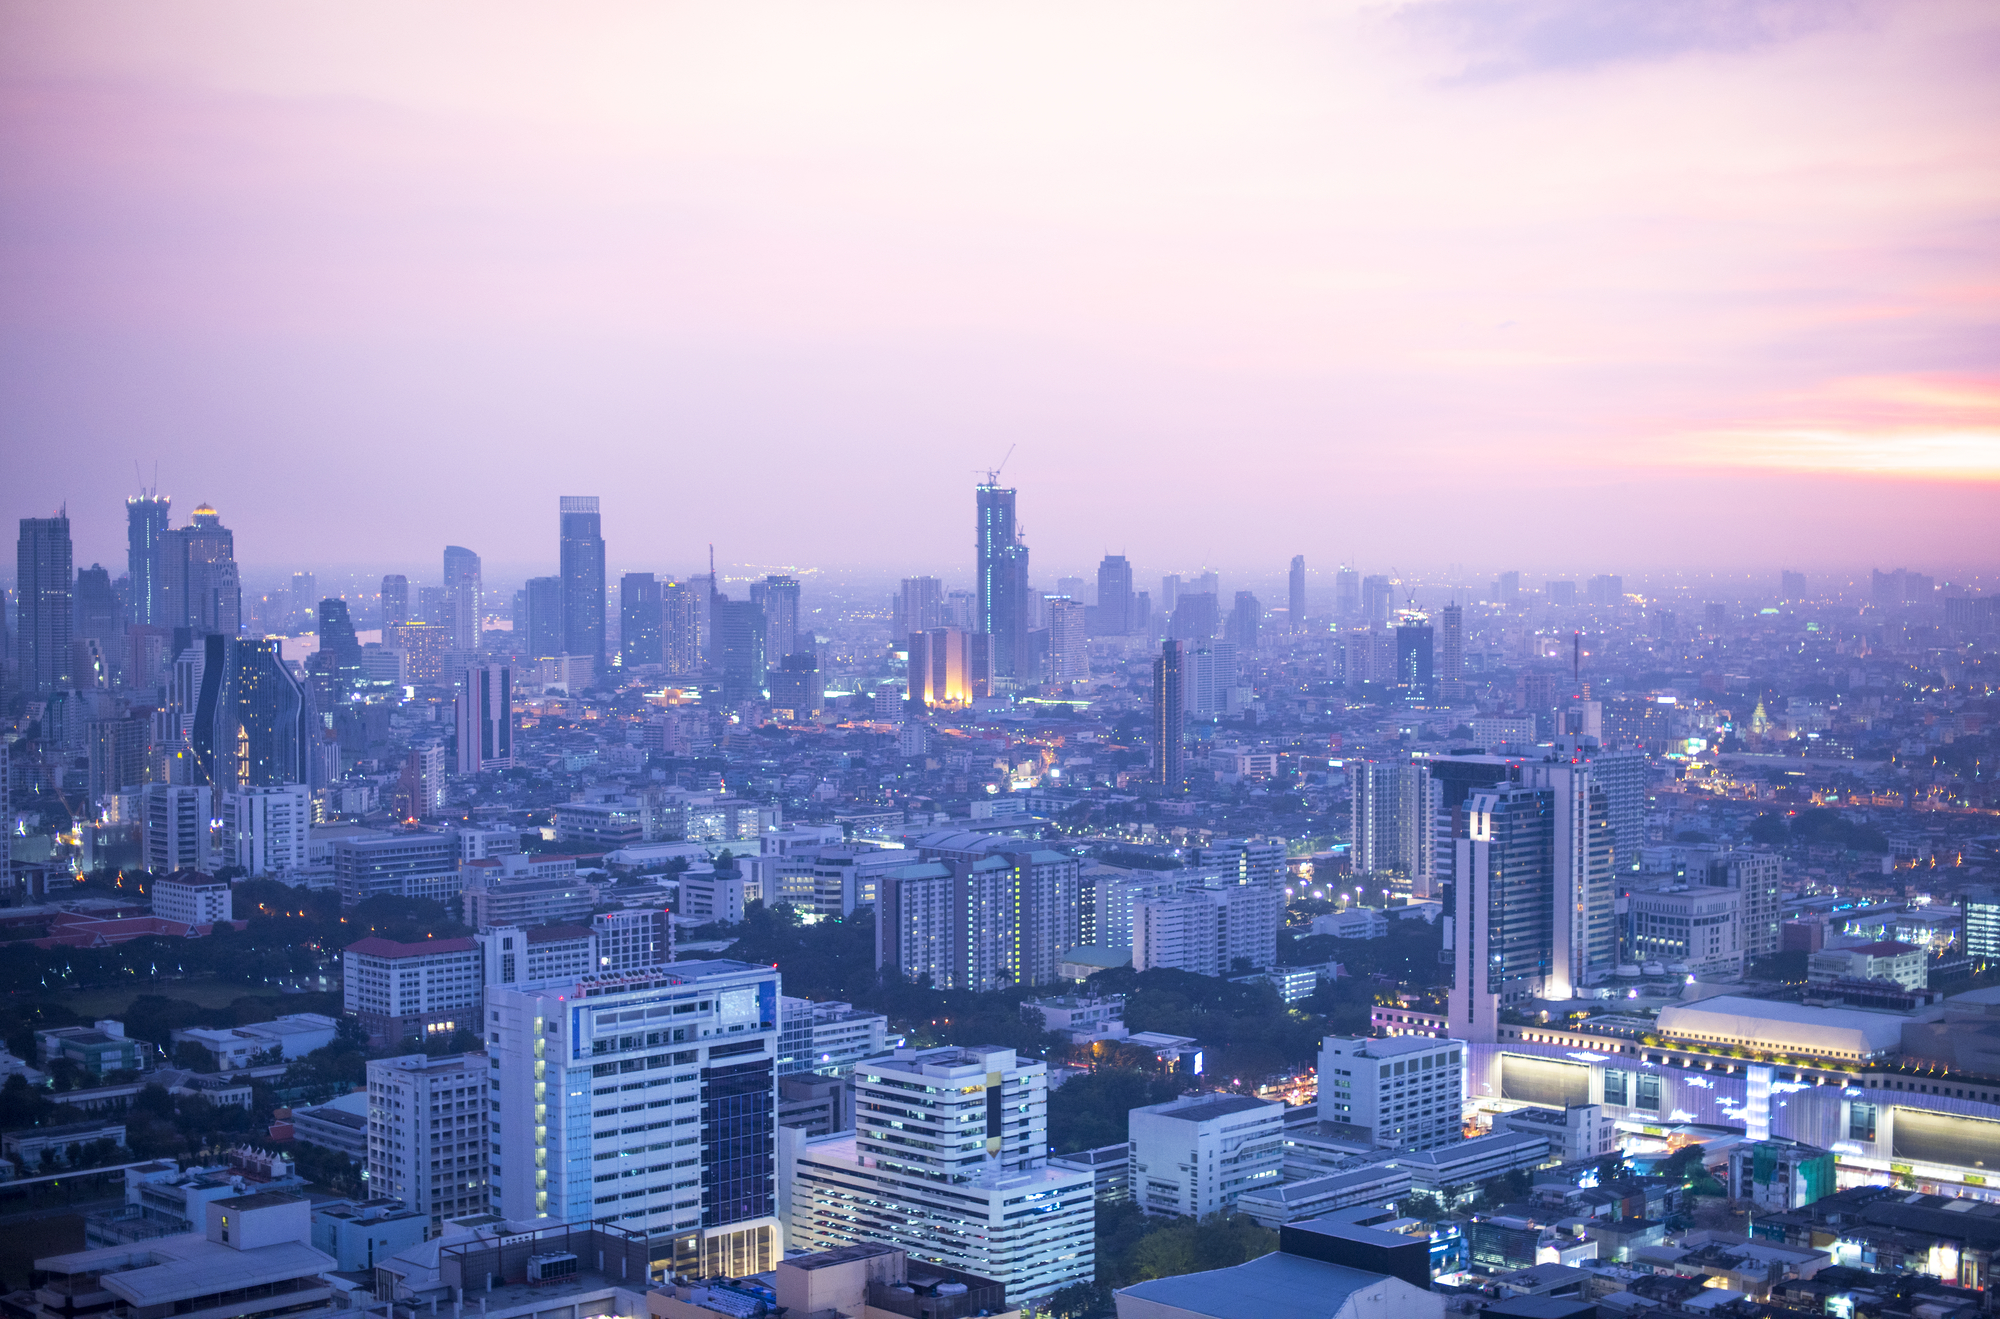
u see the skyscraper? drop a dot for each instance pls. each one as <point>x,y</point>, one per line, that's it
<point>95,613</point>
<point>338,641</point>
<point>919,606</point>
<point>485,722</point>
<point>304,598</point>
<point>394,600</point>
<point>1347,593</point>
<point>1114,596</point>
<point>1296,593</point>
<point>639,620</point>
<point>739,645</point>
<point>581,570</point>
<point>463,603</point>
<point>544,623</point>
<point>1069,645</point>
<point>1376,593</point>
<point>1384,830</point>
<point>1169,717</point>
<point>145,533</point>
<point>779,598</point>
<point>1196,616</point>
<point>680,628</point>
<point>1002,572</point>
<point>199,569</point>
<point>1451,653</point>
<point>1414,668</point>
<point>1245,618</point>
<point>251,724</point>
<point>45,604</point>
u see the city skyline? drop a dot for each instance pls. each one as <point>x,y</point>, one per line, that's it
<point>669,240</point>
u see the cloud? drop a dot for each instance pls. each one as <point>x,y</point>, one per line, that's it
<point>1506,38</point>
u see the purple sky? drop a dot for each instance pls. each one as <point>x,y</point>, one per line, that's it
<point>1569,285</point>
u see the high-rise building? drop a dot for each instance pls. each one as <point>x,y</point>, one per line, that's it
<point>303,598</point>
<point>1196,616</point>
<point>681,606</point>
<point>1414,667</point>
<point>1245,618</point>
<point>44,604</point>
<point>340,643</point>
<point>1069,642</point>
<point>940,668</point>
<point>252,719</point>
<point>1208,931</point>
<point>778,597</point>
<point>1347,594</point>
<point>1295,593</point>
<point>1757,876</point>
<point>978,921</point>
<point>1377,593</point>
<point>177,827</point>
<point>268,828</point>
<point>393,602</point>
<point>202,589</point>
<point>116,750</point>
<point>485,719</point>
<point>1606,589</point>
<point>145,533</point>
<point>739,645</point>
<point>1114,597</point>
<point>544,623</point>
<point>690,1049</point>
<point>1451,654</point>
<point>464,603</point>
<point>1002,572</point>
<point>1560,593</point>
<point>1169,718</point>
<point>639,620</point>
<point>982,1199</point>
<point>796,685</point>
<point>582,575</point>
<point>919,606</point>
<point>1409,1093</point>
<point>427,1138</point>
<point>1383,836</point>
<point>95,612</point>
<point>1510,588</point>
<point>428,990</point>
<point>1170,592</point>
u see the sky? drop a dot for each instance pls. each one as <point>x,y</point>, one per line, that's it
<point>1567,285</point>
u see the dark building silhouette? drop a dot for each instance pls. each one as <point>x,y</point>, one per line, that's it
<point>395,600</point>
<point>1114,597</point>
<point>581,568</point>
<point>145,546</point>
<point>45,604</point>
<point>252,721</point>
<point>739,647</point>
<point>1295,593</point>
<point>1169,717</point>
<point>1414,661</point>
<point>639,619</point>
<point>544,622</point>
<point>778,597</point>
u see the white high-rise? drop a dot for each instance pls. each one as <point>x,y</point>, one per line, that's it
<point>648,1100</point>
<point>179,827</point>
<point>949,1161</point>
<point>427,1142</point>
<point>268,828</point>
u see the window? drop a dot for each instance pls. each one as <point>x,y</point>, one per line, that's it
<point>1861,1122</point>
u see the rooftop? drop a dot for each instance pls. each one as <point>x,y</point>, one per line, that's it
<point>1784,1024</point>
<point>826,1259</point>
<point>1207,1108</point>
<point>1275,1286</point>
<point>376,946</point>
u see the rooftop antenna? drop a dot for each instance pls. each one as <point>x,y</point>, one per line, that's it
<point>993,473</point>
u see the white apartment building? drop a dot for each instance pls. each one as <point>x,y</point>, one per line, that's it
<point>179,827</point>
<point>191,898</point>
<point>1197,1155</point>
<point>1108,895</point>
<point>1208,930</point>
<point>543,955</point>
<point>269,828</point>
<point>1700,926</point>
<point>1408,1091</point>
<point>405,990</point>
<point>949,1161</point>
<point>709,896</point>
<point>427,1137</point>
<point>647,1099</point>
<point>632,939</point>
<point>829,1038</point>
<point>1244,860</point>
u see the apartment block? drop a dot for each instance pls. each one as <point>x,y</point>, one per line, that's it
<point>422,990</point>
<point>427,1136</point>
<point>1198,1155</point>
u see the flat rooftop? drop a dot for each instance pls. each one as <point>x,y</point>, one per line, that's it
<point>1209,1108</point>
<point>826,1259</point>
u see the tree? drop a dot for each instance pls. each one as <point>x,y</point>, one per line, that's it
<point>192,1057</point>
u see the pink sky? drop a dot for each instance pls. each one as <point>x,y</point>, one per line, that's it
<point>1591,285</point>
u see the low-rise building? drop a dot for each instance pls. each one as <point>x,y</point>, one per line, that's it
<point>400,991</point>
<point>339,1124</point>
<point>877,1281</point>
<point>1196,1156</point>
<point>1886,959</point>
<point>1409,1092</point>
<point>1776,1175</point>
<point>1079,1018</point>
<point>192,898</point>
<point>1294,1202</point>
<point>1324,1270</point>
<point>34,1148</point>
<point>1109,1166</point>
<point>358,1233</point>
<point>1576,1133</point>
<point>99,1050</point>
<point>1353,923</point>
<point>235,1047</point>
<point>710,896</point>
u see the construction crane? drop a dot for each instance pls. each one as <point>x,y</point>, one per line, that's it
<point>993,473</point>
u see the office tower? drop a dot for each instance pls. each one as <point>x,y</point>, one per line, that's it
<point>985,1200</point>
<point>464,603</point>
<point>1069,643</point>
<point>693,1045</point>
<point>44,604</point>
<point>1009,647</point>
<point>485,719</point>
<point>1791,585</point>
<point>178,835</point>
<point>1295,593</point>
<point>639,620</point>
<point>1207,931</point>
<point>202,590</point>
<point>1605,589</point>
<point>994,534</point>
<point>1196,617</point>
<point>581,570</point>
<point>1245,617</point>
<point>251,722</point>
<point>1194,1157</point>
<point>145,534</point>
<point>267,828</point>
<point>940,668</point>
<point>1414,669</point>
<point>1443,785</point>
<point>1510,588</point>
<point>1376,593</point>
<point>303,598</point>
<point>1560,593</point>
<point>1114,597</point>
<point>1347,594</point>
<point>796,686</point>
<point>544,622</point>
<point>1383,836</point>
<point>680,627</point>
<point>1532,895</point>
<point>116,749</point>
<point>739,646</point>
<point>427,1140</point>
<point>394,600</point>
<point>1170,592</point>
<point>422,646</point>
<point>1409,1093</point>
<point>338,638</point>
<point>919,606</point>
<point>1451,654</point>
<point>1169,718</point>
<point>778,597</point>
